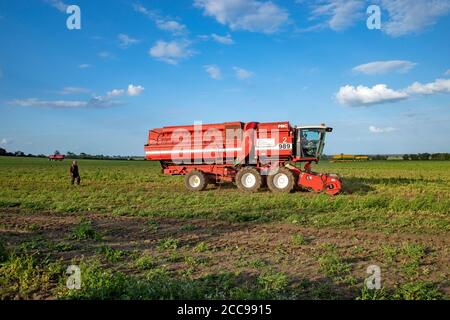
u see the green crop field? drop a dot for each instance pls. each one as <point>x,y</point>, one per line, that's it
<point>138,234</point>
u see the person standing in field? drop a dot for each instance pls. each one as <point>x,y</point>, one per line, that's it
<point>74,173</point>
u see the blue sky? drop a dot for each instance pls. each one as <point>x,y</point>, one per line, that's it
<point>136,65</point>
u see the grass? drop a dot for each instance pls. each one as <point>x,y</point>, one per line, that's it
<point>414,254</point>
<point>101,283</point>
<point>410,196</point>
<point>25,276</point>
<point>201,247</point>
<point>331,263</point>
<point>152,226</point>
<point>187,227</point>
<point>112,255</point>
<point>3,252</point>
<point>273,282</point>
<point>419,290</point>
<point>168,244</point>
<point>257,264</point>
<point>64,247</point>
<point>174,257</point>
<point>145,262</point>
<point>298,239</point>
<point>85,231</point>
<point>390,253</point>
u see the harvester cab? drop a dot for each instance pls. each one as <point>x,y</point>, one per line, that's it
<point>310,141</point>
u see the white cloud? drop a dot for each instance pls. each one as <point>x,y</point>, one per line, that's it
<point>73,90</point>
<point>213,71</point>
<point>249,15</point>
<point>381,67</point>
<point>226,39</point>
<point>131,91</point>
<point>115,93</point>
<point>58,4</point>
<point>172,26</point>
<point>361,95</point>
<point>95,102</point>
<point>141,9</point>
<point>163,23</point>
<point>170,52</point>
<point>380,93</point>
<point>134,90</point>
<point>438,86</point>
<point>242,73</point>
<point>203,37</point>
<point>374,129</point>
<point>447,73</point>
<point>400,17</point>
<point>5,141</point>
<point>340,14</point>
<point>34,102</point>
<point>105,55</point>
<point>125,40</point>
<point>84,66</point>
<point>406,16</point>
<point>102,102</point>
<point>222,39</point>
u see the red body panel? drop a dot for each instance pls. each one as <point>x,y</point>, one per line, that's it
<point>56,157</point>
<point>189,142</point>
<point>220,143</point>
<point>275,139</point>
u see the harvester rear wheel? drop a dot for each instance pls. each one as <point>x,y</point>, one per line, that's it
<point>281,181</point>
<point>249,179</point>
<point>195,181</point>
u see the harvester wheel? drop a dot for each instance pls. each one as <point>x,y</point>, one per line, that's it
<point>283,180</point>
<point>195,181</point>
<point>249,179</point>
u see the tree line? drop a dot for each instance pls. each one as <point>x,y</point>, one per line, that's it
<point>82,155</point>
<point>427,156</point>
<point>415,156</point>
<point>70,155</point>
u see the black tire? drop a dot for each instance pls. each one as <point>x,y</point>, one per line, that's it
<point>282,181</point>
<point>195,181</point>
<point>249,179</point>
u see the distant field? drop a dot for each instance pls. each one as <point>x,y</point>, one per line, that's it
<point>145,236</point>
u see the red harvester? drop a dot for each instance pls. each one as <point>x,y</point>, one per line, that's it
<point>56,157</point>
<point>250,154</point>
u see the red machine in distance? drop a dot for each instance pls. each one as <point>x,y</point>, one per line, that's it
<point>250,154</point>
<point>56,157</point>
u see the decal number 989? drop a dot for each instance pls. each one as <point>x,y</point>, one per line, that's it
<point>284,146</point>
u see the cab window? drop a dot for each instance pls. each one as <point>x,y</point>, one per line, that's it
<point>310,142</point>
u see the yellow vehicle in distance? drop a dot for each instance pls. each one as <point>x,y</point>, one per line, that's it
<point>349,158</point>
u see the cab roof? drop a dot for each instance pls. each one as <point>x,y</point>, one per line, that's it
<point>321,126</point>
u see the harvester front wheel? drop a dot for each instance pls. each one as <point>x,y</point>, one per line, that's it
<point>195,181</point>
<point>249,179</point>
<point>282,181</point>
